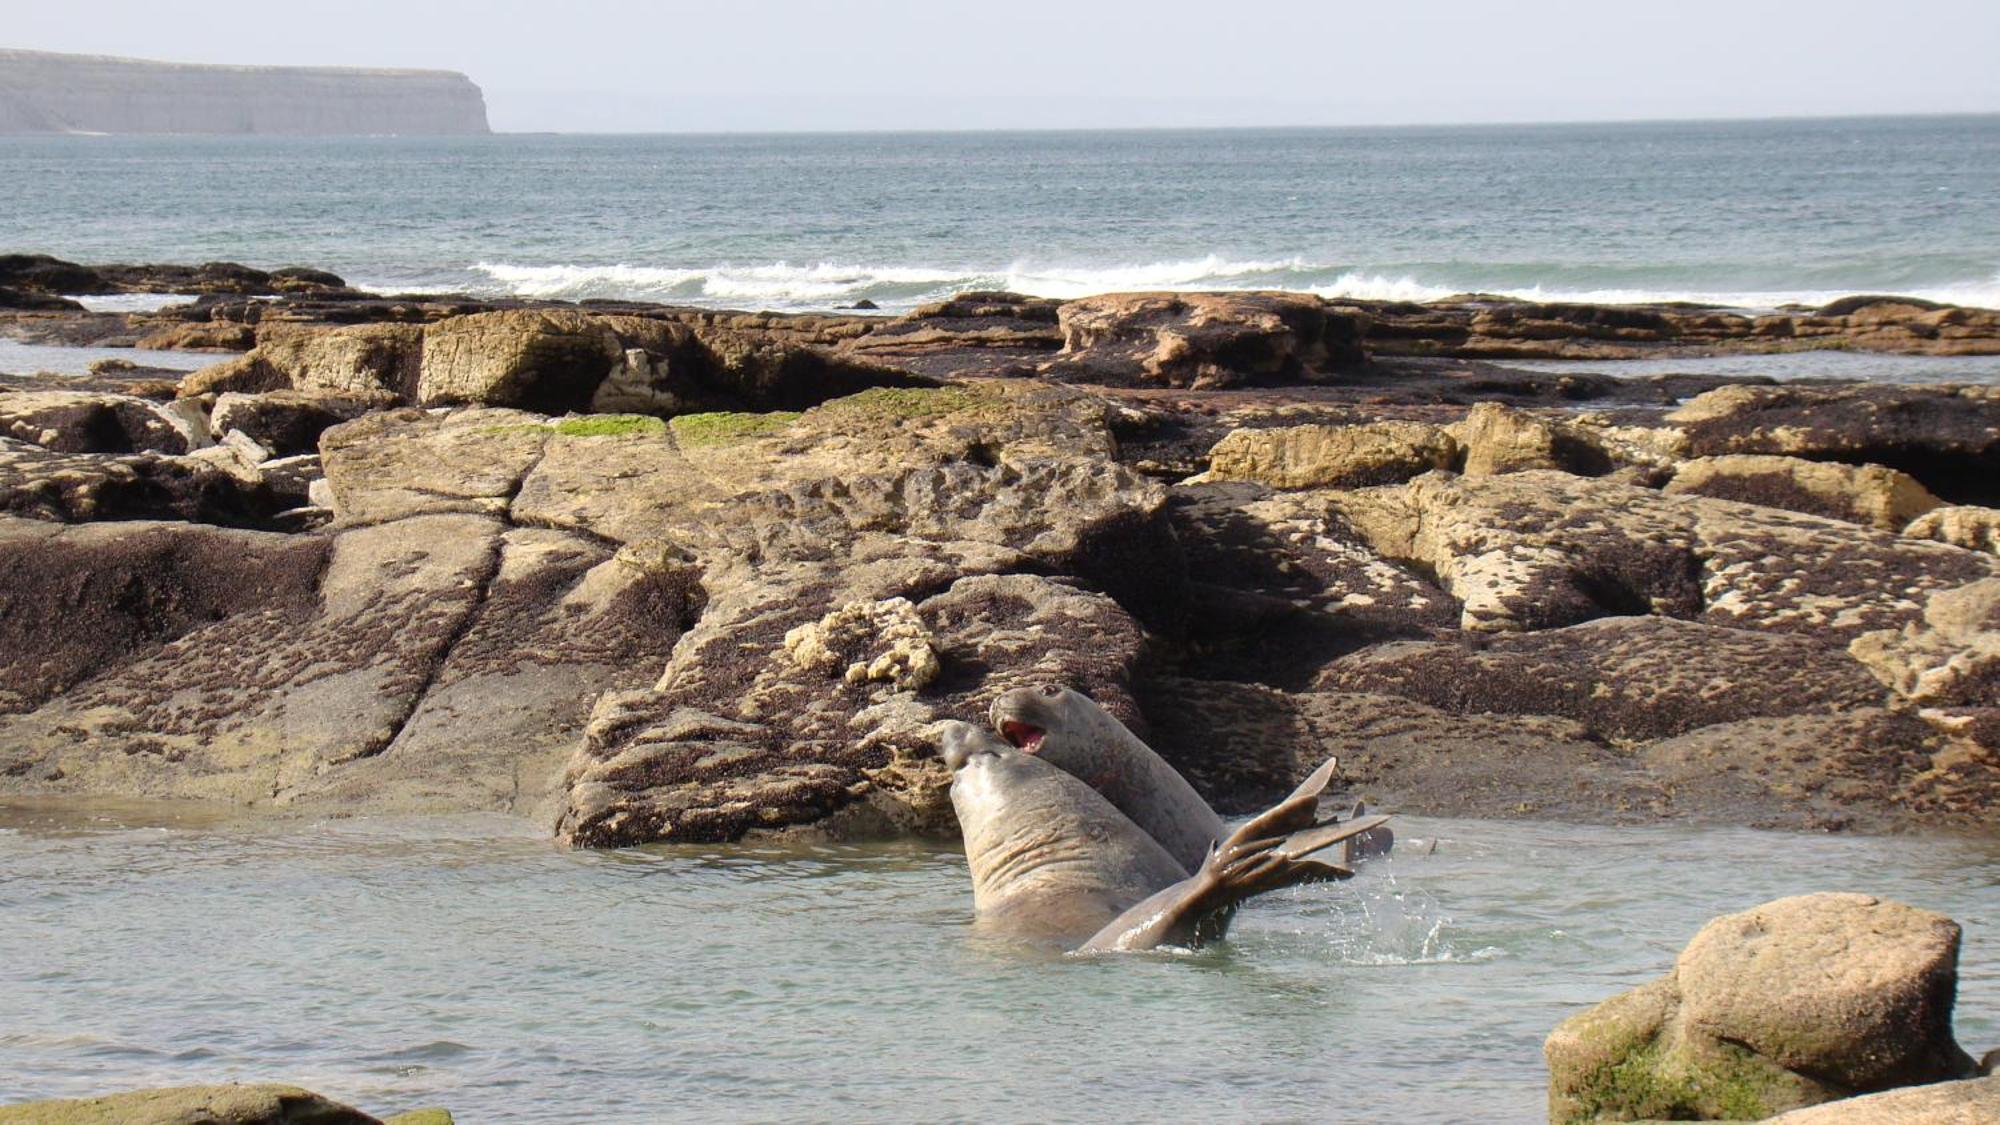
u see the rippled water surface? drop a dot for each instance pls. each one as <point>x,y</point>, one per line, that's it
<point>1867,367</point>
<point>468,962</point>
<point>1742,213</point>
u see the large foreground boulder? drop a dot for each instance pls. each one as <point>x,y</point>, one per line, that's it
<point>1800,1001</point>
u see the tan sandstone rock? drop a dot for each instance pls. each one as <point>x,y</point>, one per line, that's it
<point>1501,439</point>
<point>544,359</point>
<point>360,359</point>
<point>1975,529</point>
<point>1205,339</point>
<point>1318,456</point>
<point>1973,1101</point>
<point>1952,656</point>
<point>1536,550</point>
<point>290,422</point>
<point>863,641</point>
<point>96,422</point>
<point>860,563</point>
<point>1867,494</point>
<point>1948,437</point>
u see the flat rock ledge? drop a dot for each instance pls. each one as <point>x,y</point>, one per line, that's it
<point>1797,1002</point>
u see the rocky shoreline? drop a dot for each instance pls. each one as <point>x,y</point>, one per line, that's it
<point>655,573</point>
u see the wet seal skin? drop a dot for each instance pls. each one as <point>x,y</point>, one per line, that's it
<point>1068,729</point>
<point>1055,863</point>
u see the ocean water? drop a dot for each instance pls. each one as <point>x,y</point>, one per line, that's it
<point>1750,214</point>
<point>469,962</point>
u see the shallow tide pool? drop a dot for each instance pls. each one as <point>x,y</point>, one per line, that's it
<point>468,962</point>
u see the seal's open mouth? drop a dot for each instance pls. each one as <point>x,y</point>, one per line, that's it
<point>1024,736</point>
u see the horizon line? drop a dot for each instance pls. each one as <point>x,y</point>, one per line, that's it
<point>1352,126</point>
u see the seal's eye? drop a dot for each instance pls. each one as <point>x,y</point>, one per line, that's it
<point>1052,690</point>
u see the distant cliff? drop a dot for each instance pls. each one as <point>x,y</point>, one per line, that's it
<point>42,92</point>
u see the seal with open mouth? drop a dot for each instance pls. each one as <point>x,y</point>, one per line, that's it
<point>1053,862</point>
<point>1069,729</point>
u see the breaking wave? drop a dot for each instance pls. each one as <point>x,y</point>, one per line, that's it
<point>821,285</point>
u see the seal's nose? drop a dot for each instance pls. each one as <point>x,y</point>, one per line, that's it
<point>956,742</point>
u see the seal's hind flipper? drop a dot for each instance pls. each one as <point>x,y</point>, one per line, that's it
<point>1271,850</point>
<point>1369,845</point>
<point>1297,811</point>
<point>1321,836</point>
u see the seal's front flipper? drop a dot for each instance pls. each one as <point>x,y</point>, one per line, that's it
<point>1271,850</point>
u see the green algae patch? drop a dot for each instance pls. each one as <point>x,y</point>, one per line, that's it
<point>610,425</point>
<point>421,1117</point>
<point>1655,1083</point>
<point>1624,1060</point>
<point>904,402</point>
<point>589,426</point>
<point>912,402</point>
<point>727,427</point>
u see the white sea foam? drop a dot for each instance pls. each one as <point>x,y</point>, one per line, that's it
<point>826,284</point>
<point>778,281</point>
<point>1211,272</point>
<point>132,302</point>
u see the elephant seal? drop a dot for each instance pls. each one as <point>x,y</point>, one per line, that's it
<point>1069,729</point>
<point>1054,862</point>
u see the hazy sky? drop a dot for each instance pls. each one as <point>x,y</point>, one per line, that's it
<point>623,66</point>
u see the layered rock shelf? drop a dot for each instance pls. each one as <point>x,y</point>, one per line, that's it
<point>654,573</point>
<point>46,92</point>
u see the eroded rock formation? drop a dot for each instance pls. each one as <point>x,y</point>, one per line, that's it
<point>401,553</point>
